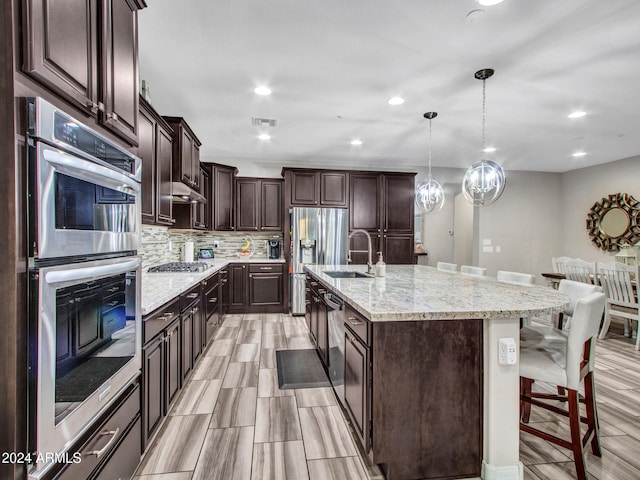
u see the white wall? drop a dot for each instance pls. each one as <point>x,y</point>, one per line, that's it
<point>527,223</point>
<point>437,241</point>
<point>580,189</point>
<point>463,227</point>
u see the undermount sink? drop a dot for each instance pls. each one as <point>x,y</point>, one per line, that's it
<point>347,274</point>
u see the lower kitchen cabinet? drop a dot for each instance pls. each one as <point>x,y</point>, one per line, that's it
<point>211,307</point>
<point>112,448</point>
<point>356,385</point>
<point>224,291</point>
<point>256,287</point>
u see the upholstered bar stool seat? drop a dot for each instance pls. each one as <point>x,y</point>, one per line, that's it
<point>566,364</point>
<point>475,271</point>
<point>447,267</point>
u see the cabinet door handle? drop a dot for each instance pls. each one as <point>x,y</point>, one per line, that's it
<point>191,296</point>
<point>213,300</point>
<point>266,268</point>
<point>112,117</point>
<point>109,444</point>
<point>224,280</point>
<point>205,283</point>
<point>354,321</point>
<point>244,266</point>
<point>113,289</point>
<point>195,310</point>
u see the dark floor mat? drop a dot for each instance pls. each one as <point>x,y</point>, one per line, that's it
<point>83,380</point>
<point>300,369</point>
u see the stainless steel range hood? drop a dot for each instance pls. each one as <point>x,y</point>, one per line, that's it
<point>183,194</point>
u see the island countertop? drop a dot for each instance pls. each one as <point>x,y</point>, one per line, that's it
<point>418,292</point>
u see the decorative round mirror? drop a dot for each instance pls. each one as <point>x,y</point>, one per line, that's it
<point>614,221</point>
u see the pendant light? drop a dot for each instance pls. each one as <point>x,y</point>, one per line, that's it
<point>484,181</point>
<point>429,193</point>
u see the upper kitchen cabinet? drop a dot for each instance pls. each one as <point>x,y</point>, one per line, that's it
<point>323,188</point>
<point>398,205</point>
<point>258,204</point>
<point>87,52</point>
<point>223,189</point>
<point>364,202</point>
<point>155,150</point>
<point>186,153</point>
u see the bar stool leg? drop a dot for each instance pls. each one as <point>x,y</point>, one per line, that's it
<point>525,406</point>
<point>576,438</point>
<point>592,416</point>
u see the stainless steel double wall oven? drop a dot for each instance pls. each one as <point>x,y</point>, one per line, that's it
<point>84,318</point>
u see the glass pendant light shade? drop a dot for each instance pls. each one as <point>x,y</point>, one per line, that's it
<point>483,182</point>
<point>429,193</point>
<point>429,196</point>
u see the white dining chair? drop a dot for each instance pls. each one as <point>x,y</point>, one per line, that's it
<point>580,271</point>
<point>558,264</point>
<point>515,278</point>
<point>475,271</point>
<point>620,284</point>
<point>447,267</point>
<point>566,365</point>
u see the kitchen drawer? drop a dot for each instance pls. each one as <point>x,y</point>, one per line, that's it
<point>157,321</point>
<point>100,444</point>
<point>359,325</point>
<point>124,461</point>
<point>265,268</point>
<point>189,297</point>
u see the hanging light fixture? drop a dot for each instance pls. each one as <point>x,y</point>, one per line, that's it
<point>484,181</point>
<point>429,193</point>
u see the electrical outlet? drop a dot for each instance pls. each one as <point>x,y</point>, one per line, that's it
<point>216,244</point>
<point>507,351</point>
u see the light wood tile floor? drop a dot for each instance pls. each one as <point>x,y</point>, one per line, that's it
<point>232,422</point>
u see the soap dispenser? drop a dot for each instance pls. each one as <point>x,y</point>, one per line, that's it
<point>380,266</point>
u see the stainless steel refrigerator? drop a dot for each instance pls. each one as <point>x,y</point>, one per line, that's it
<point>319,237</point>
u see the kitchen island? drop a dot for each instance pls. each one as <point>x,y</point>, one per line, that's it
<point>435,400</point>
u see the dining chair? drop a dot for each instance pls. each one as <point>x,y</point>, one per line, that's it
<point>566,365</point>
<point>447,267</point>
<point>580,271</point>
<point>515,278</point>
<point>475,271</point>
<point>558,264</point>
<point>620,284</point>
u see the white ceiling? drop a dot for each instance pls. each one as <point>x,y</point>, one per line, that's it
<point>333,64</point>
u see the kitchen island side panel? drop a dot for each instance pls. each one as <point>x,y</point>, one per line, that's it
<point>427,398</point>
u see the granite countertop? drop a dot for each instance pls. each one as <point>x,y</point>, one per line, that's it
<point>160,288</point>
<point>418,292</point>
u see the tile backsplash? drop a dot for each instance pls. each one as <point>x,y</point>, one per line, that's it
<point>161,245</point>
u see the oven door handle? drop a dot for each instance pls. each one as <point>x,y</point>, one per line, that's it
<point>91,171</point>
<point>85,273</point>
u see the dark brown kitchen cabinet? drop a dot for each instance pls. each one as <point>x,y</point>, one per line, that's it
<point>398,204</point>
<point>186,153</point>
<point>247,205</point>
<point>161,367</point>
<point>364,202</point>
<point>155,150</point>
<point>307,188</point>
<point>238,288</point>
<point>223,197</point>
<point>266,287</point>
<point>258,204</point>
<point>256,287</point>
<point>211,306</point>
<point>224,291</point>
<point>191,321</point>
<point>382,204</point>
<point>87,52</point>
<point>304,188</point>
<point>357,371</point>
<point>334,189</point>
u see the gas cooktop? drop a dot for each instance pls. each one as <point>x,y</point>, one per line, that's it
<point>180,267</point>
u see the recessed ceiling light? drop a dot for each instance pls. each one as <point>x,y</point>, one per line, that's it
<point>579,154</point>
<point>489,3</point>
<point>262,90</point>
<point>356,141</point>
<point>577,114</point>
<point>264,136</point>
<point>489,149</point>
<point>395,101</point>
